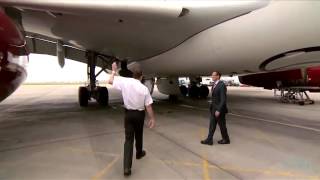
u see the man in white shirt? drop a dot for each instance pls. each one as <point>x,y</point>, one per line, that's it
<point>136,98</point>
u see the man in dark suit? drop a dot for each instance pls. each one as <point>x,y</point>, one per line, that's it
<point>218,110</point>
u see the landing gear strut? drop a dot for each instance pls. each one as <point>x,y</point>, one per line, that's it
<point>294,95</point>
<point>196,90</point>
<point>92,90</point>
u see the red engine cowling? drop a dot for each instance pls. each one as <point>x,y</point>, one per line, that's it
<point>313,78</point>
<point>13,57</point>
<point>308,79</point>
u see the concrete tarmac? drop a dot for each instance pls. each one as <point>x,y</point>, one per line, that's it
<point>44,134</point>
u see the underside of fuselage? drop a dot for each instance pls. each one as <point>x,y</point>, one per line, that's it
<point>167,43</point>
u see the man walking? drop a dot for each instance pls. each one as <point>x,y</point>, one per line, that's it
<point>218,110</point>
<point>136,98</point>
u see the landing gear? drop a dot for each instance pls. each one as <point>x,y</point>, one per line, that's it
<point>149,83</point>
<point>199,92</point>
<point>196,90</point>
<point>92,90</point>
<point>83,96</point>
<point>102,96</point>
<point>294,95</point>
<point>183,90</point>
<point>203,91</point>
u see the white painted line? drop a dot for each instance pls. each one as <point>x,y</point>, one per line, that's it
<point>276,122</point>
<point>258,119</point>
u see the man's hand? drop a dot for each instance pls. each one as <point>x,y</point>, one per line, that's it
<point>114,66</point>
<point>217,114</point>
<point>151,123</point>
<point>114,70</point>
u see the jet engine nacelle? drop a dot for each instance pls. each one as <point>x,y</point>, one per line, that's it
<point>305,78</point>
<point>13,57</point>
<point>168,86</point>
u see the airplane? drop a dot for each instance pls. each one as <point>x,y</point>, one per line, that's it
<point>167,39</point>
<point>293,84</point>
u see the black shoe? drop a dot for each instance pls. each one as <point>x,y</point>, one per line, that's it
<point>127,172</point>
<point>141,154</point>
<point>223,141</point>
<point>208,142</point>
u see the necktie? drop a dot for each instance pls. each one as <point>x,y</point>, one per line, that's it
<point>214,85</point>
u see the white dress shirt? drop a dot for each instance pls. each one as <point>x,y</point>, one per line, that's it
<point>215,84</point>
<point>135,95</point>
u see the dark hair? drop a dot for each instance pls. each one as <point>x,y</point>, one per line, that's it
<point>218,73</point>
<point>124,64</point>
<point>137,73</point>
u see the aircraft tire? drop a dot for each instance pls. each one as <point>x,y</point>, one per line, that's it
<point>103,96</point>
<point>194,91</point>
<point>83,95</point>
<point>183,90</point>
<point>203,91</point>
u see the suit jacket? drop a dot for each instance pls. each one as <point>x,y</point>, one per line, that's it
<point>219,98</point>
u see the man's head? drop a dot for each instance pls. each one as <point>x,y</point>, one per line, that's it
<point>137,73</point>
<point>215,75</point>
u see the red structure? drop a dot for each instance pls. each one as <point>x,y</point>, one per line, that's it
<point>13,57</point>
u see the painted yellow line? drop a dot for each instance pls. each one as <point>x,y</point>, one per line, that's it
<point>268,172</point>
<point>203,132</point>
<point>104,171</point>
<point>205,166</point>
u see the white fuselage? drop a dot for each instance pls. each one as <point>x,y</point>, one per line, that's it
<point>240,45</point>
<point>232,38</point>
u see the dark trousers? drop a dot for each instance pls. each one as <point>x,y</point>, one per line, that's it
<point>221,120</point>
<point>133,124</point>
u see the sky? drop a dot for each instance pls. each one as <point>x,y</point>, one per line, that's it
<point>45,68</point>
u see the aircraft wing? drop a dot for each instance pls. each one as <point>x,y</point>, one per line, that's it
<point>133,30</point>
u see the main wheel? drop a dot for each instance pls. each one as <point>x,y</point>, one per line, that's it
<point>183,90</point>
<point>203,91</point>
<point>194,91</point>
<point>83,95</point>
<point>103,96</point>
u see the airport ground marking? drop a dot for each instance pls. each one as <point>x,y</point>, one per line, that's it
<point>276,122</point>
<point>269,172</point>
<point>105,170</point>
<point>258,119</point>
<point>205,164</point>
